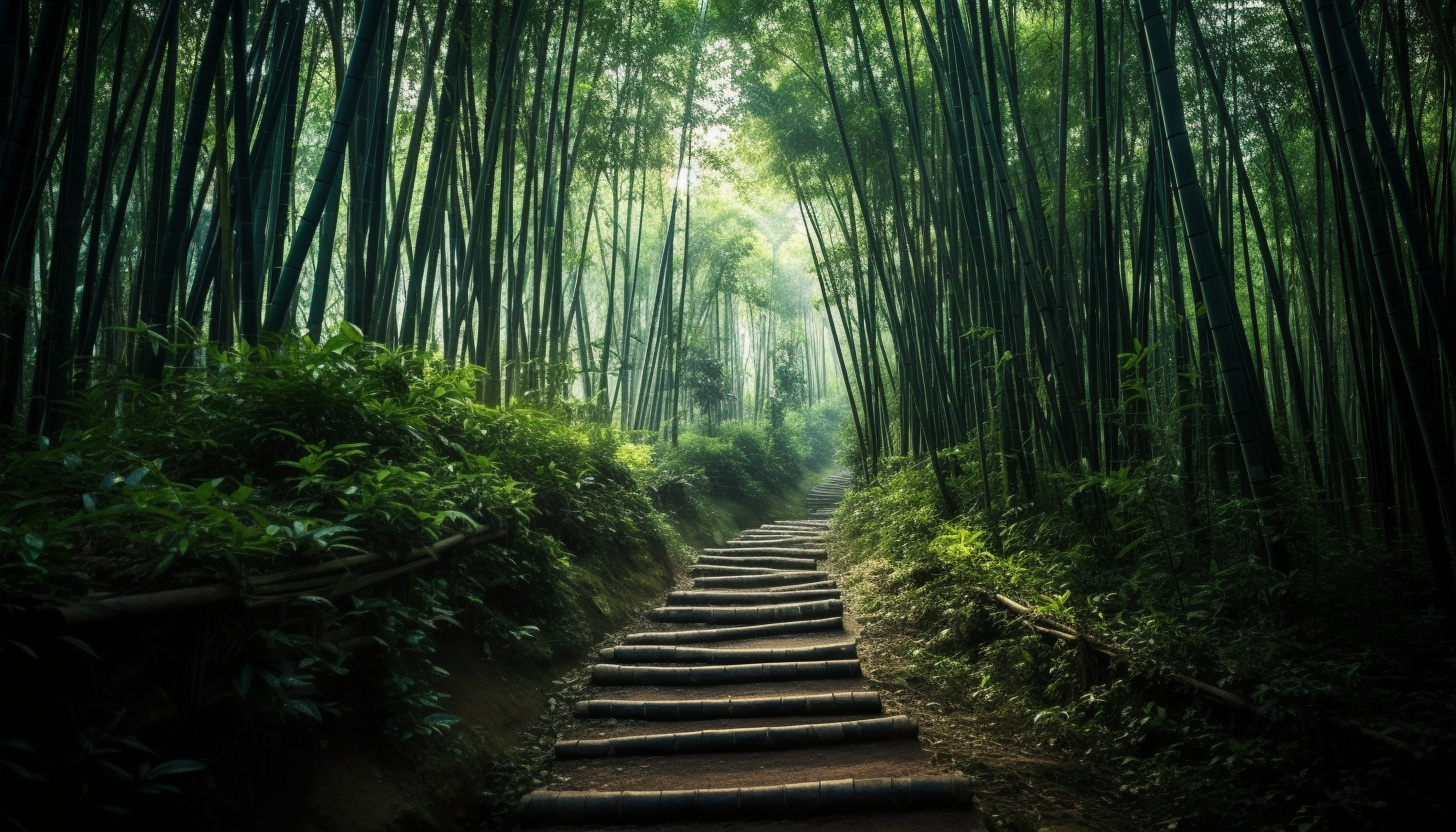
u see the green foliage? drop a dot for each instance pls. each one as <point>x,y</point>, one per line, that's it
<point>1186,596</point>
<point>815,431</point>
<point>269,458</point>
<point>789,382</point>
<point>100,780</point>
<point>750,464</point>
<point>263,460</point>
<point>285,682</point>
<point>709,387</point>
<point>739,463</point>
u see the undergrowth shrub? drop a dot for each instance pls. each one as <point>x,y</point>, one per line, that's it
<point>263,459</point>
<point>260,460</point>
<point>1180,595</point>
<point>746,463</point>
<point>739,463</point>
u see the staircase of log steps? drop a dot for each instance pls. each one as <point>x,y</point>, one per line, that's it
<point>742,706</point>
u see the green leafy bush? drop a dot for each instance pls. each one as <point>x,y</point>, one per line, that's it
<point>746,463</point>
<point>262,460</point>
<point>1179,596</point>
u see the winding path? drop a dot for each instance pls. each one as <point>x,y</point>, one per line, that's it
<point>743,707</point>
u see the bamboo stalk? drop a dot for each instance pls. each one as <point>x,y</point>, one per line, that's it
<point>1046,626</point>
<point>421,557</point>
<point>92,611</point>
<point>80,613</point>
<point>708,597</point>
<point>854,702</point>
<point>774,541</point>
<point>795,564</point>
<point>767,550</point>
<point>777,628</point>
<point>741,739</point>
<point>715,569</point>
<point>668,654</point>
<point>322,569</point>
<point>715,580</point>
<point>348,587</point>
<point>798,587</point>
<point>343,564</point>
<point>725,674</point>
<point>747,615</point>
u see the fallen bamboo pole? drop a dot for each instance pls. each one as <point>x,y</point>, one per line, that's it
<point>272,581</point>
<point>1047,626</point>
<point>81,613</point>
<point>287,586</point>
<point>421,557</point>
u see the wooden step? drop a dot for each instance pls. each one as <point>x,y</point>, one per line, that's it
<point>876,794</point>
<point>724,674</point>
<point>762,614</point>
<point>744,597</point>
<point>741,739</point>
<point>670,654</point>
<point>777,628</point>
<point>768,550</point>
<point>772,542</point>
<point>733,707</point>
<point>755,560</point>
<point>827,584</point>
<point>714,580</point>
<point>762,618</point>
<point>716,569</point>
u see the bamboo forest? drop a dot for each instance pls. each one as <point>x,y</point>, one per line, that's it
<point>1006,415</point>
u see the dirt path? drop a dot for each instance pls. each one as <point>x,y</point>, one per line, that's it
<point>742,707</point>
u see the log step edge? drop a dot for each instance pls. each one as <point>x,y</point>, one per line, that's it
<point>725,674</point>
<point>757,738</point>
<point>747,615</point>
<point>777,628</point>
<point>745,597</point>
<point>732,707</point>
<point>672,654</point>
<point>826,797</point>
<point>752,581</point>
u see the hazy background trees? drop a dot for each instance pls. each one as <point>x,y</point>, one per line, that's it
<point>526,186</point>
